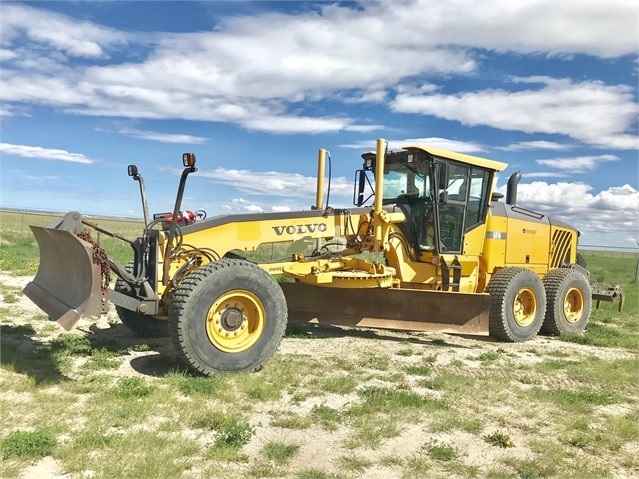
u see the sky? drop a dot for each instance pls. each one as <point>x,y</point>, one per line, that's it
<point>254,89</point>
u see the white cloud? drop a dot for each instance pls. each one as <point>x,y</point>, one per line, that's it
<point>242,205</point>
<point>529,26</point>
<point>559,106</point>
<point>43,153</point>
<point>442,143</point>
<point>163,137</point>
<point>578,164</point>
<point>611,210</point>
<point>546,174</point>
<point>446,144</point>
<point>70,36</point>
<point>536,145</point>
<point>273,183</point>
<point>281,208</point>
<point>291,124</point>
<point>253,72</point>
<point>253,208</point>
<point>6,54</point>
<point>623,197</point>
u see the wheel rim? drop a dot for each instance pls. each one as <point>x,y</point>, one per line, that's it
<point>235,321</point>
<point>573,305</point>
<point>525,307</point>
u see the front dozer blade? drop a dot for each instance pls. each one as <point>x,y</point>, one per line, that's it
<point>389,308</point>
<point>67,285</point>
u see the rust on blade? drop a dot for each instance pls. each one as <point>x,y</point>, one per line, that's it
<point>384,308</point>
<point>67,285</point>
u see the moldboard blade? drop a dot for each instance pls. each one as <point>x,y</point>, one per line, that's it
<point>389,308</point>
<point>67,285</point>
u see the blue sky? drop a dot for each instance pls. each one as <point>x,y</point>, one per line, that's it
<point>255,88</point>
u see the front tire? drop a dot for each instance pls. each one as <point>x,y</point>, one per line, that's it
<point>569,302</point>
<point>227,316</point>
<point>517,304</point>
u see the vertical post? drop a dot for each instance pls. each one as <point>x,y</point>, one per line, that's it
<point>379,184</point>
<point>319,194</point>
<point>637,268</point>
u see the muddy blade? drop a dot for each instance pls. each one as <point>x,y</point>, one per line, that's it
<point>67,285</point>
<point>404,309</point>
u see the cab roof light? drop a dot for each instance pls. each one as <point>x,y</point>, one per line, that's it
<point>188,159</point>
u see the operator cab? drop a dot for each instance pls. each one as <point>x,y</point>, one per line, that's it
<point>442,198</point>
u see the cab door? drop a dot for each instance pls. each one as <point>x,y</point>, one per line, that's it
<point>462,225</point>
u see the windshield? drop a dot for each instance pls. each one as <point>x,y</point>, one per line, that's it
<point>406,176</point>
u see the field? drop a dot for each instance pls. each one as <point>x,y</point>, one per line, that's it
<point>333,402</point>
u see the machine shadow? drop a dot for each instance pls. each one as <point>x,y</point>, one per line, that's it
<point>326,331</point>
<point>36,357</point>
<point>118,338</point>
<point>23,352</point>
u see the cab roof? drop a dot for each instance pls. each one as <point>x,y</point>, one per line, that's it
<point>461,157</point>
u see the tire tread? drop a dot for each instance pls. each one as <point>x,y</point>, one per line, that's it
<point>497,288</point>
<point>553,283</point>
<point>180,301</point>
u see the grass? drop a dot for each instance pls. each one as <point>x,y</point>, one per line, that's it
<point>22,256</point>
<point>354,464</point>
<point>442,452</point>
<point>499,439</point>
<point>409,407</point>
<point>28,444</point>
<point>280,452</point>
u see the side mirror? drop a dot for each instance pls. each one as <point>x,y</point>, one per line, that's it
<point>132,170</point>
<point>361,180</point>
<point>358,190</point>
<point>441,175</point>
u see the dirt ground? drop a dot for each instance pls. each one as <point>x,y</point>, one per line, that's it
<point>318,444</point>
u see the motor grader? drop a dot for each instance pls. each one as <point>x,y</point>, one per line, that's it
<point>428,246</point>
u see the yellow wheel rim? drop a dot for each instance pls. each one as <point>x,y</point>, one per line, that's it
<point>573,305</point>
<point>525,307</point>
<point>235,321</point>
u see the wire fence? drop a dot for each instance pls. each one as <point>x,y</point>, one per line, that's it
<point>17,220</point>
<point>607,250</point>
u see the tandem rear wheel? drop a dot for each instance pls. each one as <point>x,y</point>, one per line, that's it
<point>227,316</point>
<point>517,304</point>
<point>569,302</point>
<point>522,305</point>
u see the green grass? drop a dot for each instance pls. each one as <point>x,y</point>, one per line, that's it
<point>326,416</point>
<point>131,388</point>
<point>567,411</point>
<point>196,385</point>
<point>18,247</point>
<point>233,433</point>
<point>442,451</point>
<point>354,464</point>
<point>498,439</point>
<point>280,452</point>
<point>30,444</point>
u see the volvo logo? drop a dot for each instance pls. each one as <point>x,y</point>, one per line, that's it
<point>300,229</point>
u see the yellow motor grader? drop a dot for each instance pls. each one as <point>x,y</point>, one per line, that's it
<point>428,246</point>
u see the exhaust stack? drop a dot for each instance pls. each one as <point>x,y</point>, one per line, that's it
<point>511,191</point>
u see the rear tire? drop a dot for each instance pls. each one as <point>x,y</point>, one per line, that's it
<point>227,316</point>
<point>569,302</point>
<point>517,304</point>
<point>141,325</point>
